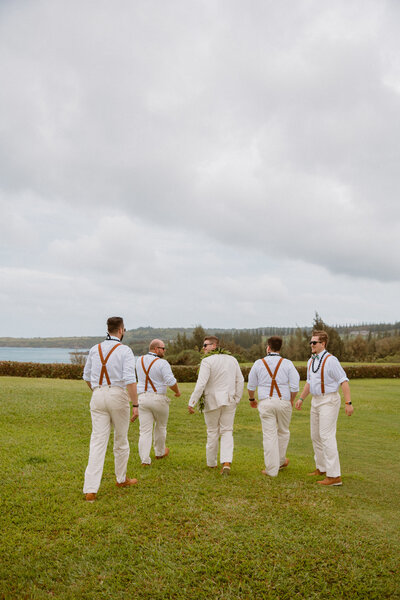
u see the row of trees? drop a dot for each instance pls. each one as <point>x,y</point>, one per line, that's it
<point>382,345</point>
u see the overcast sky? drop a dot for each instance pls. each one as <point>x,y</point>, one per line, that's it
<point>229,163</point>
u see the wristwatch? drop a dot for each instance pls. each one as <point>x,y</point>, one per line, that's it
<point>348,402</point>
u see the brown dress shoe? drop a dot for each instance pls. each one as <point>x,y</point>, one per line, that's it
<point>285,464</point>
<point>164,455</point>
<point>90,497</point>
<point>331,481</point>
<point>126,483</point>
<point>316,472</point>
<point>226,469</point>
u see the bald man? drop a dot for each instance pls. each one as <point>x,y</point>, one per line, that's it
<point>154,377</point>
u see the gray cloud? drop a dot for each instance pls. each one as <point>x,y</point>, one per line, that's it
<point>175,148</point>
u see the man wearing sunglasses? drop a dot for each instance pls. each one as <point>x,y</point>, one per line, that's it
<point>324,377</point>
<point>154,377</point>
<point>221,381</point>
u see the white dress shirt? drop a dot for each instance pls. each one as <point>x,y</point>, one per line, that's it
<point>120,366</point>
<point>160,374</point>
<point>221,380</point>
<point>334,375</point>
<point>287,378</point>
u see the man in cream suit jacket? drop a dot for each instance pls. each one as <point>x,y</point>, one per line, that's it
<point>221,381</point>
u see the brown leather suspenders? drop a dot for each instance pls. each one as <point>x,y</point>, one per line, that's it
<point>273,377</point>
<point>103,372</point>
<point>148,380</point>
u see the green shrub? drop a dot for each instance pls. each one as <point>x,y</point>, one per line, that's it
<point>48,370</point>
<point>183,373</point>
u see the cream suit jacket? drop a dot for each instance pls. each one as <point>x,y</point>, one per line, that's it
<point>221,380</point>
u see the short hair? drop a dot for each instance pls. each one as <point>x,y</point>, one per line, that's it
<point>212,338</point>
<point>321,335</point>
<point>155,344</point>
<point>275,343</point>
<point>114,323</point>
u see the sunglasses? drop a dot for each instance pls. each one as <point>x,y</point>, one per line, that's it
<point>161,347</point>
<point>205,345</point>
<point>312,343</point>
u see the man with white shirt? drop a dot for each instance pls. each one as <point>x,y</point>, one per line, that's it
<point>324,377</point>
<point>110,373</point>
<point>154,376</point>
<point>221,381</point>
<point>277,381</point>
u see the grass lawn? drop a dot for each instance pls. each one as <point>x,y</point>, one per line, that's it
<point>185,531</point>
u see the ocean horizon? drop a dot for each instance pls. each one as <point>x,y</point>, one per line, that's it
<point>38,355</point>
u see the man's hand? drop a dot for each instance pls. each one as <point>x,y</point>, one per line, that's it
<point>191,410</point>
<point>299,404</point>
<point>349,409</point>
<point>135,413</point>
<point>177,394</point>
<point>253,403</point>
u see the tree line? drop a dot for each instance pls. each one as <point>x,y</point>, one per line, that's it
<point>349,343</point>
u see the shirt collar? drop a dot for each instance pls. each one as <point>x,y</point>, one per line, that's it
<point>112,338</point>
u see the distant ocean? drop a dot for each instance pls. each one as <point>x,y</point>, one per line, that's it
<point>38,355</point>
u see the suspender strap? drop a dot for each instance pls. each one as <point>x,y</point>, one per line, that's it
<point>322,373</point>
<point>148,380</point>
<point>273,377</point>
<point>103,372</point>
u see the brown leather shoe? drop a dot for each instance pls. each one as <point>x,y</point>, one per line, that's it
<point>126,483</point>
<point>164,455</point>
<point>226,469</point>
<point>285,464</point>
<point>145,464</point>
<point>316,472</point>
<point>331,481</point>
<point>90,497</point>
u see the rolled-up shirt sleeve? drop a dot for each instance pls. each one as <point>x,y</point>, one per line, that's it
<point>88,368</point>
<point>169,378</point>
<point>128,367</point>
<point>294,378</point>
<point>252,382</point>
<point>336,370</point>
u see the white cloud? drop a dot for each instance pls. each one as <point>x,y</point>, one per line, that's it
<point>214,146</point>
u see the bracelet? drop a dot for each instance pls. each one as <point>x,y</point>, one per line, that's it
<point>135,405</point>
<point>302,399</point>
<point>251,399</point>
<point>348,402</point>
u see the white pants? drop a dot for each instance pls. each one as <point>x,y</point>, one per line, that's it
<point>324,414</point>
<point>153,410</point>
<point>275,415</point>
<point>220,426</point>
<point>108,406</point>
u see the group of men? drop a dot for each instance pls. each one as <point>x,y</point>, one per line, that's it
<point>116,379</point>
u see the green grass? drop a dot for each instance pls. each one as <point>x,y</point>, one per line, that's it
<point>184,531</point>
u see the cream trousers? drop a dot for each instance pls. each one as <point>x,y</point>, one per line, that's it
<point>108,406</point>
<point>220,426</point>
<point>323,419</point>
<point>275,415</point>
<point>153,411</point>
